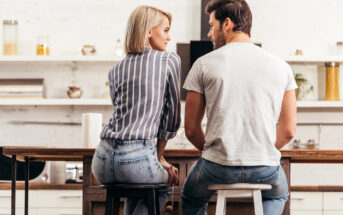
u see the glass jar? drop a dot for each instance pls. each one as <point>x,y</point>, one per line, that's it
<point>332,88</point>
<point>10,37</point>
<point>43,46</point>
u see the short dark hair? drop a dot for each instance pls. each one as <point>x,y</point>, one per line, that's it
<point>237,10</point>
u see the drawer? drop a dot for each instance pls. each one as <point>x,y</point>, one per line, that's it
<point>5,199</point>
<point>306,201</point>
<point>19,211</point>
<point>329,212</point>
<point>306,212</point>
<point>59,211</point>
<point>60,198</point>
<point>333,200</point>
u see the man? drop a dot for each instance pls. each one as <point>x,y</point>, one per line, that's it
<point>249,97</point>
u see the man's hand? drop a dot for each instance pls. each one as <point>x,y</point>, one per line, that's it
<point>172,172</point>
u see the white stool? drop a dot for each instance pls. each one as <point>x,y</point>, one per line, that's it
<point>239,190</point>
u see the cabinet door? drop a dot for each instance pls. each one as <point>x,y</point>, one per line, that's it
<point>59,211</point>
<point>306,201</point>
<point>19,211</point>
<point>306,212</point>
<point>333,201</point>
<point>5,199</point>
<point>60,199</point>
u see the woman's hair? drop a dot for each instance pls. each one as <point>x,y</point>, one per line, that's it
<point>141,21</point>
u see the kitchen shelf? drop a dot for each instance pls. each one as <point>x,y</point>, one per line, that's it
<point>320,104</point>
<point>5,59</point>
<point>55,102</point>
<point>314,59</point>
<point>107,102</point>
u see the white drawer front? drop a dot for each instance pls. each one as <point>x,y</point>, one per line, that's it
<point>306,201</point>
<point>60,198</point>
<point>326,212</point>
<point>19,211</point>
<point>306,212</point>
<point>333,200</point>
<point>58,211</point>
<point>5,199</point>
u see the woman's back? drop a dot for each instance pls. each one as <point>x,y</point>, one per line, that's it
<point>145,93</point>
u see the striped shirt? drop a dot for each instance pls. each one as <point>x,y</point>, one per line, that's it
<point>145,92</point>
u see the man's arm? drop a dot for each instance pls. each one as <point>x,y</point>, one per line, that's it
<point>287,121</point>
<point>194,113</point>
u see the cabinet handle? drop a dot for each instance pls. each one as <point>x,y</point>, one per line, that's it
<point>297,198</point>
<point>67,197</point>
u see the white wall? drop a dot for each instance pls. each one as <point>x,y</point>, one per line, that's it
<point>281,25</point>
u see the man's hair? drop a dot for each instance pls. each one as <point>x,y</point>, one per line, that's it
<point>237,10</point>
<point>141,20</point>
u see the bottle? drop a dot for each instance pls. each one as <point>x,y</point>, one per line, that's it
<point>118,51</point>
<point>43,46</point>
<point>106,93</point>
<point>332,88</point>
<point>10,37</point>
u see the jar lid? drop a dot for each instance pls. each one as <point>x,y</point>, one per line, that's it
<point>331,64</point>
<point>339,43</point>
<point>10,22</point>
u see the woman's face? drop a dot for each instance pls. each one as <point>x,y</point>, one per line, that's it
<point>159,35</point>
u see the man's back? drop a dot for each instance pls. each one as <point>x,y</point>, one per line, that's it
<point>243,87</point>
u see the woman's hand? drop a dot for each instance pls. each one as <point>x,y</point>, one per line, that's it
<point>172,171</point>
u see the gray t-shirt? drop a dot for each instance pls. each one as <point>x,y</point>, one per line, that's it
<point>244,88</point>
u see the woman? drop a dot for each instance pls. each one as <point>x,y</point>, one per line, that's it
<point>144,88</point>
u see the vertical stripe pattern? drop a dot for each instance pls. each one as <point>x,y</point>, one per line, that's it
<point>145,93</point>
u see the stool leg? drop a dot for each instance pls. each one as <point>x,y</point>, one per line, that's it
<point>221,203</point>
<point>157,201</point>
<point>116,205</point>
<point>151,203</point>
<point>109,202</point>
<point>257,202</point>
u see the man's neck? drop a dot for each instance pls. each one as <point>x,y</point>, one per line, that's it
<point>239,37</point>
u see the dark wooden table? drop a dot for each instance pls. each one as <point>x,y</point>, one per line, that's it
<point>93,197</point>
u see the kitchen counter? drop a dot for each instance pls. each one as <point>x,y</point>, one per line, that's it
<point>93,197</point>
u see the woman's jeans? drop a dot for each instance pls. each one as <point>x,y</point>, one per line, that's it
<point>117,161</point>
<point>195,195</point>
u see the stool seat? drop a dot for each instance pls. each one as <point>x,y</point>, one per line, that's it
<point>240,186</point>
<point>150,192</point>
<point>239,190</point>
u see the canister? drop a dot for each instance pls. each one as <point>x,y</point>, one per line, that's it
<point>332,88</point>
<point>10,37</point>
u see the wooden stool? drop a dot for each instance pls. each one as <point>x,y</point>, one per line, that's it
<point>150,192</point>
<point>239,190</point>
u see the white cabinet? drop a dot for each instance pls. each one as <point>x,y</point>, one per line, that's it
<point>44,202</point>
<point>60,198</point>
<point>326,212</point>
<point>306,212</point>
<point>5,199</point>
<point>333,201</point>
<point>306,201</point>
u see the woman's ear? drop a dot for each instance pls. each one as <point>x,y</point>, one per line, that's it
<point>149,35</point>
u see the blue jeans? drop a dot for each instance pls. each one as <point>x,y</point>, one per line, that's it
<point>117,161</point>
<point>195,195</point>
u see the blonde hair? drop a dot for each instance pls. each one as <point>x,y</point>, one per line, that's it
<point>141,20</point>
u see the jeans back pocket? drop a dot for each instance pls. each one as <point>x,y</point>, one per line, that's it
<point>135,170</point>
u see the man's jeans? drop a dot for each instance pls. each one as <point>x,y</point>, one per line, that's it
<point>195,194</point>
<point>117,161</point>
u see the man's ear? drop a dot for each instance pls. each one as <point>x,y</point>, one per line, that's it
<point>228,25</point>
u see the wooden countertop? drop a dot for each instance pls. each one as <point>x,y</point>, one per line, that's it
<point>75,154</point>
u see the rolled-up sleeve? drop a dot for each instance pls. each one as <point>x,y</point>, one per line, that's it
<point>171,117</point>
